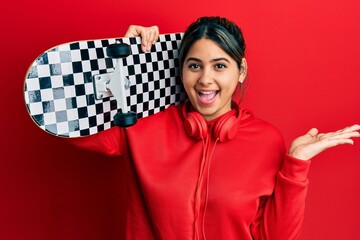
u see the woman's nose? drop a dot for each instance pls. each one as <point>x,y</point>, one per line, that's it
<point>206,77</point>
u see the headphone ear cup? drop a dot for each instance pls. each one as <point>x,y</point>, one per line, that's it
<point>226,128</point>
<point>195,126</point>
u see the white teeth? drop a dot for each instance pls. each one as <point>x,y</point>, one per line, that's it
<point>207,92</point>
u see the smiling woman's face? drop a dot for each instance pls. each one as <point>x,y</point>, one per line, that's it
<point>210,77</point>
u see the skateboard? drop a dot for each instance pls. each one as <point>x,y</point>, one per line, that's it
<point>81,88</point>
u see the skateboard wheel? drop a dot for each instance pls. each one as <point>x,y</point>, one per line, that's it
<point>118,50</point>
<point>125,119</point>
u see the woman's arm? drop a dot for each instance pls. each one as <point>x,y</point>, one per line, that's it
<point>112,141</point>
<point>280,216</point>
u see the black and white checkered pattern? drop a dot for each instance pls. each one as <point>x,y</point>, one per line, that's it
<point>59,92</point>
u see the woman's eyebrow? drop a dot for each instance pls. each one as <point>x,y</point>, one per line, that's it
<point>193,59</point>
<point>212,60</point>
<point>220,59</point>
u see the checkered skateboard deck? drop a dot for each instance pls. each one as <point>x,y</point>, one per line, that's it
<point>59,86</point>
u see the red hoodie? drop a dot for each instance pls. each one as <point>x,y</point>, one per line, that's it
<point>181,188</point>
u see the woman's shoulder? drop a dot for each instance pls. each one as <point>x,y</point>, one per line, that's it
<point>168,116</point>
<point>169,112</point>
<point>258,126</point>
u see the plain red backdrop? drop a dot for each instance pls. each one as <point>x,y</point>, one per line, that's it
<point>304,71</point>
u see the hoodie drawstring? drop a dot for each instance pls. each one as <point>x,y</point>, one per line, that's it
<point>204,166</point>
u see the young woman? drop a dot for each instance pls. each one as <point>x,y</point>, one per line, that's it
<point>207,169</point>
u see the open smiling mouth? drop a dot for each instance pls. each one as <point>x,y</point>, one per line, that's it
<point>207,97</point>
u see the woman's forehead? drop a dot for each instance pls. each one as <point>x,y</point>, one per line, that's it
<point>206,46</point>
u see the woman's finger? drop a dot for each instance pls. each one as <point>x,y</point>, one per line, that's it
<point>154,34</point>
<point>329,143</point>
<point>352,128</point>
<point>312,132</point>
<point>345,135</point>
<point>144,39</point>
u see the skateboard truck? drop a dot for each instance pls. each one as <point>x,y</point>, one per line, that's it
<point>115,84</point>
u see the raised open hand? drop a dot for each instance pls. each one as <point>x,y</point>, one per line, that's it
<point>312,143</point>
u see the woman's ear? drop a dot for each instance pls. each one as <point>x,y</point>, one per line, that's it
<point>243,70</point>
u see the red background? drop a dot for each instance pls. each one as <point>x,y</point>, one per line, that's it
<point>304,71</point>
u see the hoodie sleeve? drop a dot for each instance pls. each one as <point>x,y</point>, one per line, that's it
<point>110,142</point>
<point>280,215</point>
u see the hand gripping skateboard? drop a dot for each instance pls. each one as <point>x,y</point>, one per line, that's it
<point>82,88</point>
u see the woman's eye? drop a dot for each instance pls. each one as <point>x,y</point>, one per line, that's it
<point>194,66</point>
<point>220,66</point>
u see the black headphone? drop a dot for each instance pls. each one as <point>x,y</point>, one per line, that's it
<point>225,128</point>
